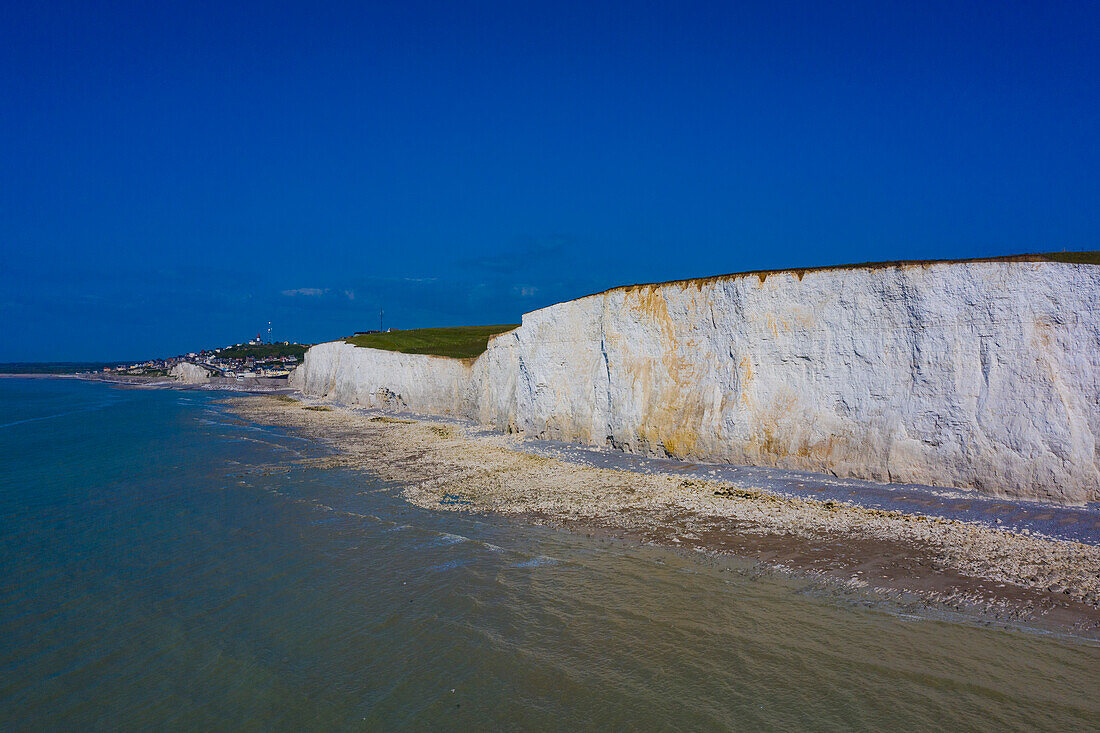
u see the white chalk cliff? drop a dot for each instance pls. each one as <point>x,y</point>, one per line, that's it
<point>981,374</point>
<point>189,373</point>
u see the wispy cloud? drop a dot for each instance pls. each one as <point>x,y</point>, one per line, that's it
<point>306,291</point>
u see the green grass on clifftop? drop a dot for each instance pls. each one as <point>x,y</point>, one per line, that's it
<point>460,342</point>
<point>263,351</point>
<point>1077,258</point>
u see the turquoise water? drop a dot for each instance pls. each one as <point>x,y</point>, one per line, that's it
<point>164,565</point>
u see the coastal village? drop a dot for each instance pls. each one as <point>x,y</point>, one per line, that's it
<point>252,359</point>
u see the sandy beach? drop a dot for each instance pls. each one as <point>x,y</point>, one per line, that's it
<point>915,559</point>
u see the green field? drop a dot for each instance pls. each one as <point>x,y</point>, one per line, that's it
<point>460,342</point>
<point>1078,258</point>
<point>147,372</point>
<point>263,351</point>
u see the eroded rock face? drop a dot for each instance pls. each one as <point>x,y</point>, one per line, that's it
<point>978,375</point>
<point>383,379</point>
<point>189,373</point>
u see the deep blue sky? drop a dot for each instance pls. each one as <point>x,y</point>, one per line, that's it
<point>175,175</point>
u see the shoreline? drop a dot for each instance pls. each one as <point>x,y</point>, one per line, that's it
<point>914,560</point>
<point>254,385</point>
<point>1043,519</point>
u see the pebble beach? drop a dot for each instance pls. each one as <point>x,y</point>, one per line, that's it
<point>916,558</point>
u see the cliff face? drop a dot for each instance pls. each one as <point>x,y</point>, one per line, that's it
<point>978,375</point>
<point>189,373</point>
<point>383,379</point>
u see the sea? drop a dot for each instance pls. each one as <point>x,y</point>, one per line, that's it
<point>166,565</point>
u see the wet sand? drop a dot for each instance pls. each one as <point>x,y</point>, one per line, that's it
<point>918,559</point>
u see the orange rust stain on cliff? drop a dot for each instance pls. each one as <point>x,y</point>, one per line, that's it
<point>774,324</point>
<point>746,377</point>
<point>667,384</point>
<point>771,437</point>
<point>820,452</point>
<point>649,303</point>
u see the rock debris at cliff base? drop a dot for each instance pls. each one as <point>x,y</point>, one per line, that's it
<point>445,466</point>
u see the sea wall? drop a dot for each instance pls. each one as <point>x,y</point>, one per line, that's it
<point>976,375</point>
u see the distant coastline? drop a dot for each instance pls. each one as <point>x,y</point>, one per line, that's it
<point>232,384</point>
<point>258,385</point>
<point>61,368</point>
